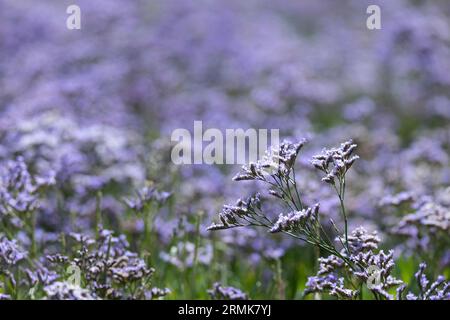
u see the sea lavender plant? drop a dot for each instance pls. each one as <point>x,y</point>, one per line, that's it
<point>431,216</point>
<point>277,170</point>
<point>145,197</point>
<point>335,163</point>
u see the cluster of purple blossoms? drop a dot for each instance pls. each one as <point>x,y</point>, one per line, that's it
<point>369,267</point>
<point>108,270</point>
<point>359,255</point>
<point>93,124</point>
<point>426,224</point>
<point>67,291</point>
<point>431,216</point>
<point>330,284</point>
<point>187,255</point>
<point>295,221</point>
<point>336,162</point>
<point>19,192</point>
<point>10,253</point>
<point>437,290</point>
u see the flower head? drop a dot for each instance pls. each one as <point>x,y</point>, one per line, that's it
<point>218,292</point>
<point>10,253</point>
<point>243,212</point>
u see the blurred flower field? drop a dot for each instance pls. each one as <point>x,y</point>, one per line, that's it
<point>357,205</point>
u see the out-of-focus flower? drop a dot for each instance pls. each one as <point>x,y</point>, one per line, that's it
<point>145,196</point>
<point>430,216</point>
<point>67,291</point>
<point>244,212</point>
<point>331,284</point>
<point>296,221</point>
<point>278,160</point>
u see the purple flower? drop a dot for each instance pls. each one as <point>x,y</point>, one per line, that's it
<point>67,291</point>
<point>294,221</point>
<point>335,162</point>
<point>218,292</point>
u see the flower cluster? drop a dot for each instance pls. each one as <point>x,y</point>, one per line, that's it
<point>95,125</point>
<point>295,221</point>
<point>219,292</point>
<point>302,223</point>
<point>438,290</point>
<point>243,213</point>
<point>361,240</point>
<point>369,267</point>
<point>377,266</point>
<point>331,284</point>
<point>431,216</point>
<point>145,196</point>
<point>108,269</point>
<point>425,227</point>
<point>67,291</point>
